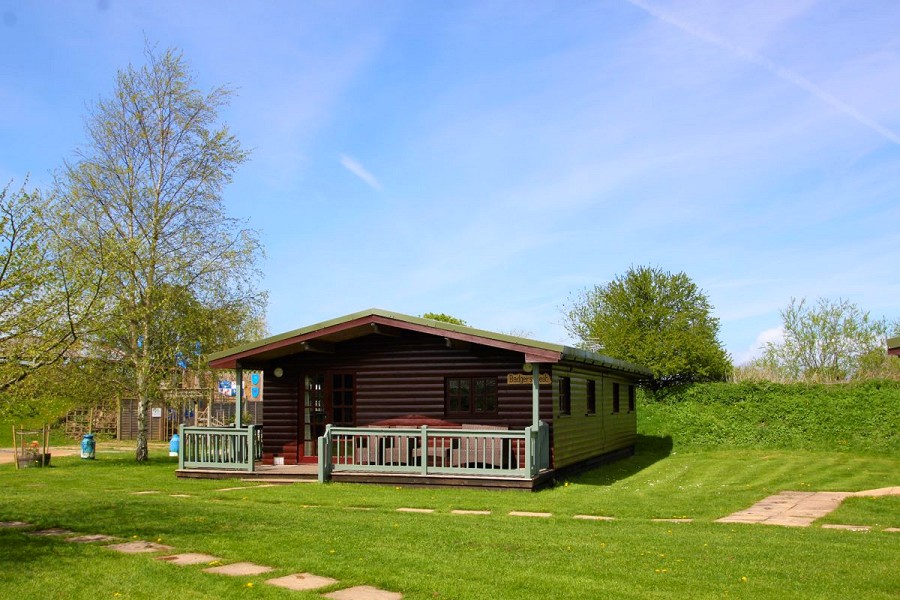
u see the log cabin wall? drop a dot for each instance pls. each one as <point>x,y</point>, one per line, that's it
<point>397,376</point>
<point>581,435</point>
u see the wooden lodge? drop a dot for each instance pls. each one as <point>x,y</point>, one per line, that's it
<point>383,397</point>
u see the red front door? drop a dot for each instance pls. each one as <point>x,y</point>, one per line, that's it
<point>325,398</point>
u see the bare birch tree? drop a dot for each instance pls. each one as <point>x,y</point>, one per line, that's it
<point>143,203</point>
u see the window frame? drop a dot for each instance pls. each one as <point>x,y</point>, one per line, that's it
<point>565,396</point>
<point>472,396</point>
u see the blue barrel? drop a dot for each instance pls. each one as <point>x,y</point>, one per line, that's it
<point>88,446</point>
<point>173,445</point>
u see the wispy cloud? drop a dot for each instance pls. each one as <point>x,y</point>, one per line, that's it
<point>779,71</point>
<point>360,171</point>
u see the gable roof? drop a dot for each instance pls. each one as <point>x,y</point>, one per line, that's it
<point>893,345</point>
<point>376,320</point>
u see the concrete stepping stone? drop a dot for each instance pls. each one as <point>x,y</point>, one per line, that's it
<point>363,592</point>
<point>685,520</point>
<point>140,547</point>
<point>180,496</point>
<point>189,558</point>
<point>248,487</point>
<point>593,518</point>
<point>469,512</point>
<point>51,532</point>
<point>518,513</point>
<point>87,539</point>
<point>302,581</point>
<point>11,524</point>
<point>892,529</point>
<point>416,510</point>
<point>239,569</point>
<point>145,493</point>
<point>358,508</point>
<point>790,509</point>
<point>846,527</point>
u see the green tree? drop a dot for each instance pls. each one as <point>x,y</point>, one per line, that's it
<point>653,318</point>
<point>46,301</point>
<point>828,341</point>
<point>143,203</point>
<point>444,318</point>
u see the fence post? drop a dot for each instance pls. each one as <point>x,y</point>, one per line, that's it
<point>324,442</point>
<point>529,451</point>
<point>181,446</point>
<point>251,447</point>
<point>424,450</point>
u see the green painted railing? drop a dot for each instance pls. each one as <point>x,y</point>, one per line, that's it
<point>220,447</point>
<point>434,451</point>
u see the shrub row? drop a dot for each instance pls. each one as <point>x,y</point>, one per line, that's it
<point>859,417</point>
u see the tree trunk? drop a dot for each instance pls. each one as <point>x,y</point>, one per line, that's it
<point>140,452</point>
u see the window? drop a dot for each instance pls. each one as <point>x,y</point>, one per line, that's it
<point>565,396</point>
<point>342,394</point>
<point>591,396</point>
<point>615,397</point>
<point>630,398</point>
<point>469,395</point>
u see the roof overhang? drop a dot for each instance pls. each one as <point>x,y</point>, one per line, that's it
<point>322,337</point>
<point>893,345</point>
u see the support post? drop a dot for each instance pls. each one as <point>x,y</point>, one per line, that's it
<point>535,395</point>
<point>423,454</point>
<point>181,441</point>
<point>239,403</point>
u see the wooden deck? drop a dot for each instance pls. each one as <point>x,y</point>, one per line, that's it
<point>308,473</point>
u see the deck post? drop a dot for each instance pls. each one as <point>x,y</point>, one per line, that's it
<point>423,453</point>
<point>325,460</point>
<point>535,395</point>
<point>181,446</point>
<point>239,401</point>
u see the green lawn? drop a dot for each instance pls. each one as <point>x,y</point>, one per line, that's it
<point>307,527</point>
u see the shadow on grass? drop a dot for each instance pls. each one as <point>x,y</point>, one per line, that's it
<point>649,449</point>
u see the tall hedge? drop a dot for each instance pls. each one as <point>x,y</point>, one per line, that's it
<point>860,417</point>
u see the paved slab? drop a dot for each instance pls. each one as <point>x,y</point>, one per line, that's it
<point>87,539</point>
<point>886,491</point>
<point>791,509</point>
<point>50,532</point>
<point>248,487</point>
<point>189,558</point>
<point>469,512</point>
<point>363,592</point>
<point>239,569</point>
<point>593,518</point>
<point>140,547</point>
<point>416,510</point>
<point>10,524</point>
<point>180,496</point>
<point>518,513</point>
<point>302,581</point>
<point>892,529</point>
<point>144,492</point>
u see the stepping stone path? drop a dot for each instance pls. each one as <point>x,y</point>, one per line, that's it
<point>10,524</point>
<point>140,547</point>
<point>593,518</point>
<point>470,512</point>
<point>683,520</point>
<point>363,592</point>
<point>846,527</point>
<point>239,569</point>
<point>86,539</point>
<point>542,515</point>
<point>50,532</point>
<point>302,581</point>
<point>416,510</point>
<point>189,558</point>
<point>799,509</point>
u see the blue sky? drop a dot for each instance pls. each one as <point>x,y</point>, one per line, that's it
<point>490,159</point>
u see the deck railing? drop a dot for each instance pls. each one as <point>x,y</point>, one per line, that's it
<point>434,451</point>
<point>220,447</point>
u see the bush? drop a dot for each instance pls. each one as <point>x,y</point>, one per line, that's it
<point>857,416</point>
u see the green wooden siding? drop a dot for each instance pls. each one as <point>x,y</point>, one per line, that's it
<point>580,436</point>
